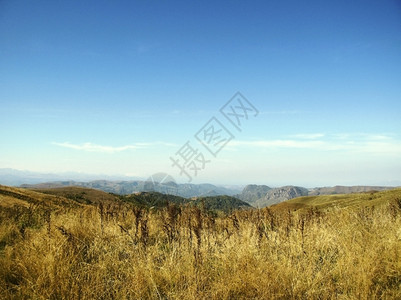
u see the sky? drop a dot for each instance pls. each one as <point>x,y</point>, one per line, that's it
<point>139,87</point>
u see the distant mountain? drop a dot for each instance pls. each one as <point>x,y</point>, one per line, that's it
<point>252,193</point>
<point>128,187</point>
<point>281,194</point>
<point>12,177</point>
<point>262,195</point>
<point>195,190</point>
<point>255,195</point>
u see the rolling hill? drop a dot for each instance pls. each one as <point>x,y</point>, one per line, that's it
<point>11,196</point>
<point>355,200</point>
<point>77,196</point>
<point>80,194</point>
<point>262,195</point>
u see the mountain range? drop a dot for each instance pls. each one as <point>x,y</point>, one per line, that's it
<point>255,195</point>
<point>185,190</point>
<point>13,177</point>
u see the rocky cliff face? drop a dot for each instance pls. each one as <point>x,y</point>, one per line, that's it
<point>262,195</point>
<point>281,194</point>
<point>252,193</point>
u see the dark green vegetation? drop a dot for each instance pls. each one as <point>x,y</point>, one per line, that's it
<point>211,203</point>
<point>153,199</point>
<point>220,203</point>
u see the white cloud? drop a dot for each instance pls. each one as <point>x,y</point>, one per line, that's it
<point>357,143</point>
<point>278,143</point>
<point>377,137</point>
<point>308,136</point>
<point>283,112</point>
<point>89,147</point>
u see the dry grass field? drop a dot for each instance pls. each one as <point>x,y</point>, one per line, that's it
<point>310,248</point>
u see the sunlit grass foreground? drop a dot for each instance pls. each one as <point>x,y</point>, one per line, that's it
<point>123,252</point>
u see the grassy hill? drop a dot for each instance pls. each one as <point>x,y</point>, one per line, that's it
<point>340,189</point>
<point>326,202</point>
<point>11,196</point>
<point>80,194</point>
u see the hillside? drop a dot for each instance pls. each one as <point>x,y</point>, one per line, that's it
<point>340,189</point>
<point>213,203</point>
<point>262,195</point>
<point>223,203</point>
<point>326,202</point>
<point>76,196</point>
<point>145,199</point>
<point>153,199</point>
<point>10,196</point>
<point>80,194</point>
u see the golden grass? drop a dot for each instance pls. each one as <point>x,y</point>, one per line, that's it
<point>25,197</point>
<point>123,252</point>
<point>356,200</point>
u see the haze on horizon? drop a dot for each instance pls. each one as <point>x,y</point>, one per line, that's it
<point>113,88</point>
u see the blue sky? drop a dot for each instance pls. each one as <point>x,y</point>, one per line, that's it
<point>118,87</point>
